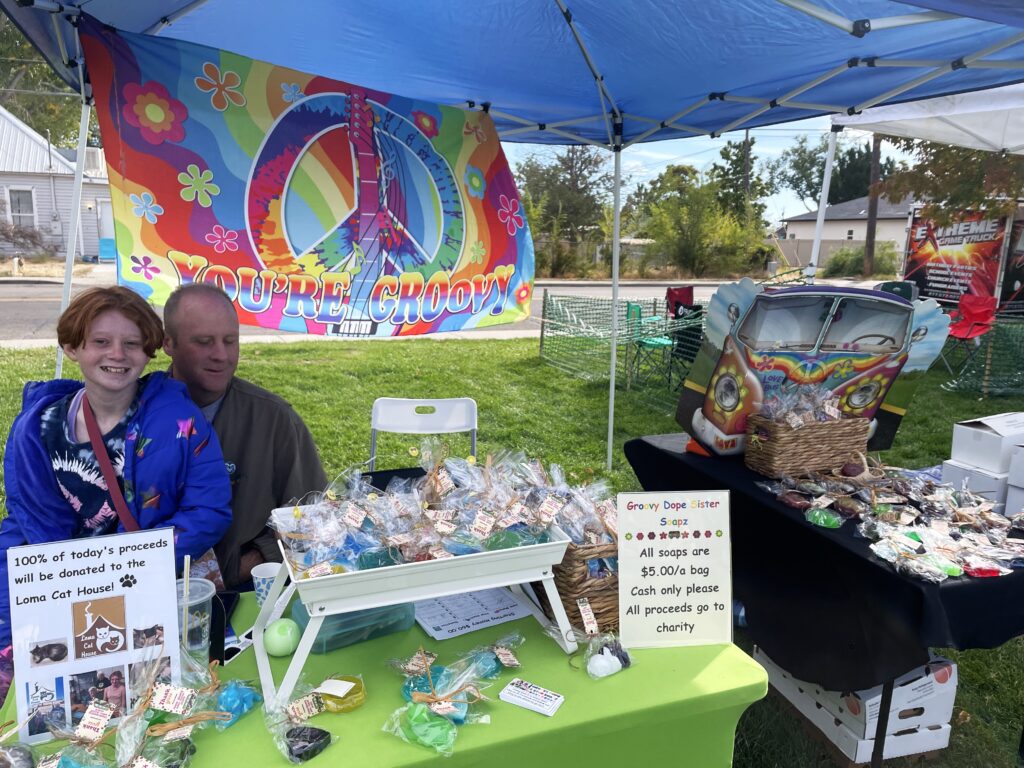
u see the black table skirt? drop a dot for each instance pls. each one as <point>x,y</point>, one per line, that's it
<point>818,602</point>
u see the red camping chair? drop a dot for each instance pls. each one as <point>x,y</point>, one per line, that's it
<point>972,319</point>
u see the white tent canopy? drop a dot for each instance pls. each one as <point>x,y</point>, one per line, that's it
<point>991,120</point>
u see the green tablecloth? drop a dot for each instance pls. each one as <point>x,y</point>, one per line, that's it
<point>676,706</point>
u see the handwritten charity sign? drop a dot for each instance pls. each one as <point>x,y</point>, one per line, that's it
<point>675,569</point>
<point>84,613</point>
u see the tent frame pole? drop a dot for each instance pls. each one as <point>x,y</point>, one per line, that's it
<point>76,203</point>
<point>616,224</point>
<point>819,224</point>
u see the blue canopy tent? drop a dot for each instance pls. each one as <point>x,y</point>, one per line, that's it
<point>605,74</point>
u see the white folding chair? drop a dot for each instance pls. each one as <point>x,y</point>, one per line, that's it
<point>421,417</point>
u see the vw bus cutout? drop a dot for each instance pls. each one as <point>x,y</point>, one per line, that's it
<point>852,342</point>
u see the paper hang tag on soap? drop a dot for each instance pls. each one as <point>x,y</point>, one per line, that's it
<point>442,708</point>
<point>94,721</point>
<point>141,762</point>
<point>399,539</point>
<point>305,707</point>
<point>439,553</point>
<point>318,570</point>
<point>550,507</point>
<point>179,733</point>
<point>591,537</point>
<point>822,501</point>
<point>50,761</point>
<point>443,483</point>
<point>587,614</point>
<point>418,664</point>
<point>175,699</point>
<point>609,515</point>
<point>445,527</point>
<point>482,525</point>
<point>337,688</point>
<point>832,409</point>
<point>793,420</point>
<point>354,515</point>
<point>506,657</point>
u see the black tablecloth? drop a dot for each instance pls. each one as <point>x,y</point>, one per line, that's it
<point>818,602</point>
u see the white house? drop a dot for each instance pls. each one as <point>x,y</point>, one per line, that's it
<point>36,182</point>
<point>849,221</point>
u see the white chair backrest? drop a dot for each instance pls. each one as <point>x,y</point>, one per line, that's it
<point>421,417</point>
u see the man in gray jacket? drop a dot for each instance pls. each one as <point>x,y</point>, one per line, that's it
<point>268,450</point>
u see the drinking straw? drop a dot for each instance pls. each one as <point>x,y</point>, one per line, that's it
<point>184,602</point>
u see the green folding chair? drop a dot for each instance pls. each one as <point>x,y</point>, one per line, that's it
<point>649,352</point>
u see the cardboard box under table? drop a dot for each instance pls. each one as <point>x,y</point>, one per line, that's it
<point>674,706</point>
<point>913,736</point>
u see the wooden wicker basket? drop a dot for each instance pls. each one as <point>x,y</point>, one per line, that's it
<point>776,450</point>
<point>574,581</point>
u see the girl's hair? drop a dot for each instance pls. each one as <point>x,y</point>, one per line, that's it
<point>88,305</point>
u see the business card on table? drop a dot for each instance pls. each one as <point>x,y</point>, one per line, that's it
<point>531,696</point>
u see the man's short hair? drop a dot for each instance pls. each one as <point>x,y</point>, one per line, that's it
<point>171,308</point>
<point>88,305</point>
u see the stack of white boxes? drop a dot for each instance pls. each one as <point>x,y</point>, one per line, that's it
<point>1015,480</point>
<point>981,454</point>
<point>922,706</point>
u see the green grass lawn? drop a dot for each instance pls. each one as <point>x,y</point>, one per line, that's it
<point>528,405</point>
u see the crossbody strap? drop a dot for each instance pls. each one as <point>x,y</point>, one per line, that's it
<point>100,449</point>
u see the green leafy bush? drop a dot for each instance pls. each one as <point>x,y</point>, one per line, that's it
<point>849,262</point>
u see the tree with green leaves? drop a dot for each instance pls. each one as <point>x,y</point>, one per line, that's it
<point>32,92</point>
<point>956,179</point>
<point>567,191</point>
<point>741,185</point>
<point>692,227</point>
<point>801,167</point>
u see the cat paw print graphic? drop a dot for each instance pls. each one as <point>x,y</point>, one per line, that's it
<point>128,581</point>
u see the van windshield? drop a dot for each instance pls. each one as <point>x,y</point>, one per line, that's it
<point>785,322</point>
<point>864,325</point>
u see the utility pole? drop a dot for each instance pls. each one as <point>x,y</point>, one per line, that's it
<point>746,165</point>
<point>869,243</point>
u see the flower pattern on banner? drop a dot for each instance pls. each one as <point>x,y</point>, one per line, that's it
<point>475,131</point>
<point>477,252</point>
<point>222,239</point>
<point>291,92</point>
<point>145,207</point>
<point>198,185</point>
<point>523,294</point>
<point>159,116</point>
<point>145,267</point>
<point>222,89</point>
<point>475,182</point>
<point>426,123</point>
<point>508,214</point>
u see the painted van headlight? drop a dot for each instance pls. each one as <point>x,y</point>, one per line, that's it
<point>727,392</point>
<point>864,394</point>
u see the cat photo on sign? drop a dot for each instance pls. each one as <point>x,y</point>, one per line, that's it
<point>148,637</point>
<point>48,652</point>
<point>99,626</point>
<point>139,669</point>
<point>46,705</point>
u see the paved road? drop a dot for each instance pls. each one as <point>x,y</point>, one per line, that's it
<point>29,311</point>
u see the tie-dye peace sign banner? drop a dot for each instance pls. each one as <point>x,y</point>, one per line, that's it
<point>319,206</point>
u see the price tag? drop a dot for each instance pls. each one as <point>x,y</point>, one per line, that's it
<point>550,507</point>
<point>419,663</point>
<point>354,515</point>
<point>506,657</point>
<point>94,721</point>
<point>482,525</point>
<point>587,614</point>
<point>179,733</point>
<point>306,707</point>
<point>173,698</point>
<point>442,708</point>
<point>320,569</point>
